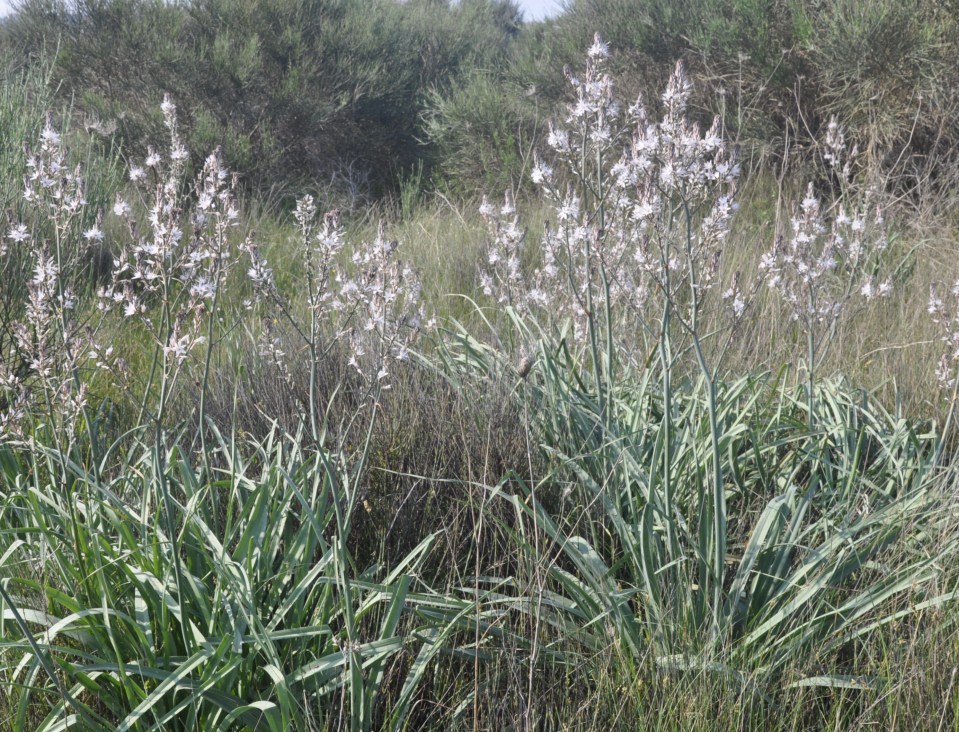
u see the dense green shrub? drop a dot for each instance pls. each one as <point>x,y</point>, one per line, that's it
<point>482,132</point>
<point>353,96</point>
<point>325,91</point>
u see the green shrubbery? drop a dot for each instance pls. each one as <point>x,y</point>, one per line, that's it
<point>351,96</point>
<point>327,92</point>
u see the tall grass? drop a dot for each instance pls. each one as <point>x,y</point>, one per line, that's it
<point>266,623</point>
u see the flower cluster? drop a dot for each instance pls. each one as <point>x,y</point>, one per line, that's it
<point>169,269</point>
<point>373,302</point>
<point>823,265</point>
<point>179,260</point>
<point>47,339</point>
<point>504,280</point>
<point>946,316</point>
<point>384,299</point>
<point>52,186</point>
<point>819,268</point>
<point>619,183</point>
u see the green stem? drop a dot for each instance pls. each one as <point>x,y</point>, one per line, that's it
<point>207,365</point>
<point>811,375</point>
<point>716,512</point>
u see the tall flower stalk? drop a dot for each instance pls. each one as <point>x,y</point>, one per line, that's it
<point>821,265</point>
<point>642,211</point>
<point>369,302</point>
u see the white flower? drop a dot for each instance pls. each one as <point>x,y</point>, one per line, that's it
<point>179,348</point>
<point>599,49</point>
<point>935,305</point>
<point>642,211</point>
<point>50,135</point>
<point>558,139</point>
<point>541,173</point>
<point>944,371</point>
<point>121,207</point>
<point>486,208</point>
<point>93,234</point>
<point>569,211</point>
<point>203,289</point>
<point>136,173</point>
<point>582,108</point>
<point>18,233</point>
<point>600,134</point>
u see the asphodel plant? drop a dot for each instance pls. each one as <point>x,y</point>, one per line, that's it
<point>643,203</point>
<point>643,208</point>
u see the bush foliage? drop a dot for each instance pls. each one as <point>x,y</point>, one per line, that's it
<point>353,95</point>
<point>324,91</point>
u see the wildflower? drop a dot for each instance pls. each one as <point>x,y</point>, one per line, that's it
<point>486,208</point>
<point>49,135</point>
<point>944,372</point>
<point>504,280</point>
<point>935,305</point>
<point>93,234</point>
<point>203,288</point>
<point>835,144</point>
<point>305,211</point>
<point>541,173</point>
<point>599,49</point>
<point>558,139</point>
<point>19,233</point>
<point>178,348</point>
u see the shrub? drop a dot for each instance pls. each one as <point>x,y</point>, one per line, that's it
<point>301,87</point>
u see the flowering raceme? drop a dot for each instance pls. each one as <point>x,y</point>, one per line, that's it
<point>619,182</point>
<point>374,303</point>
<point>47,341</point>
<point>946,316</point>
<point>180,260</point>
<point>820,267</point>
<point>504,280</point>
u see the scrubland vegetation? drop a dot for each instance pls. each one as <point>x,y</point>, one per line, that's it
<point>382,365</point>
